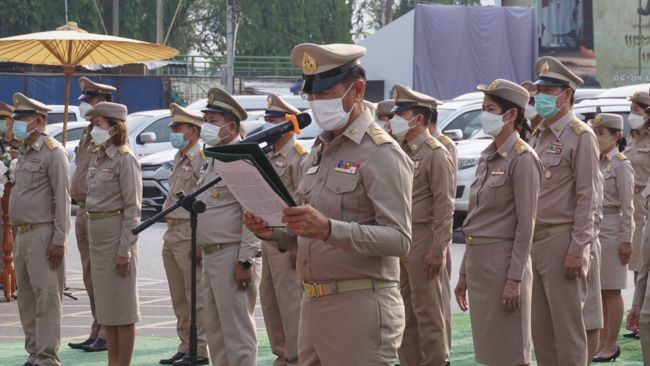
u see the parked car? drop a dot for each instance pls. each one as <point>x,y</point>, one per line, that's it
<point>56,114</point>
<point>75,130</point>
<point>255,102</point>
<point>459,119</point>
<point>623,92</point>
<point>587,109</point>
<point>469,153</point>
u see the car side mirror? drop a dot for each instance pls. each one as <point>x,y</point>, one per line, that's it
<point>146,137</point>
<point>455,135</point>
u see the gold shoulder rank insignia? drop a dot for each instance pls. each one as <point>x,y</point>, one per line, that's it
<point>123,149</point>
<point>445,140</point>
<point>433,143</point>
<point>202,155</point>
<point>521,146</point>
<point>51,143</point>
<point>300,149</point>
<point>378,135</point>
<point>621,156</point>
<point>578,127</point>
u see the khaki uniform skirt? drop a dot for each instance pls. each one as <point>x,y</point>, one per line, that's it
<point>500,338</point>
<point>116,298</point>
<point>613,275</point>
<point>639,221</point>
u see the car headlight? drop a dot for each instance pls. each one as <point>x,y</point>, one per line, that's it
<point>468,162</point>
<point>165,184</point>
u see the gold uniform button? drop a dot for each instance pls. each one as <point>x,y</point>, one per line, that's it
<point>548,174</point>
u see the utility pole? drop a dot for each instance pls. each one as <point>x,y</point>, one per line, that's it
<point>116,17</point>
<point>159,21</point>
<point>230,48</point>
<point>66,11</point>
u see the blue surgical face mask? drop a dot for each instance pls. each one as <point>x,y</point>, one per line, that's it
<point>178,140</point>
<point>3,126</point>
<point>546,105</point>
<point>20,130</point>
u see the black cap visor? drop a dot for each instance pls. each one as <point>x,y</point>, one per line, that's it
<point>319,82</point>
<point>546,81</point>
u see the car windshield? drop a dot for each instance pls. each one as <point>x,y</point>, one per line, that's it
<point>134,121</point>
<point>57,117</point>
<point>443,114</point>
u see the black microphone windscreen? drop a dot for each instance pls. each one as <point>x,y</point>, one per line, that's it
<point>304,119</point>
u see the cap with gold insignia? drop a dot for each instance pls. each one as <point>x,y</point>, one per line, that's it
<point>505,89</point>
<point>219,101</point>
<point>91,89</point>
<point>640,97</point>
<point>181,115</point>
<point>5,110</point>
<point>385,108</point>
<point>278,107</point>
<point>530,86</point>
<point>406,98</point>
<point>608,120</point>
<point>24,106</point>
<point>108,110</point>
<point>325,65</point>
<point>551,72</point>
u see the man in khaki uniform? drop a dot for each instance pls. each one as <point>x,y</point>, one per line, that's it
<point>280,289</point>
<point>423,271</point>
<point>231,253</point>
<point>353,222</point>
<point>530,112</point>
<point>565,218</point>
<point>39,208</point>
<point>384,113</point>
<point>186,128</point>
<point>91,94</point>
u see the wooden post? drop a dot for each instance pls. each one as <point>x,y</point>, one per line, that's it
<point>9,274</point>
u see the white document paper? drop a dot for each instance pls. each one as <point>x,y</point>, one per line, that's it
<point>252,191</point>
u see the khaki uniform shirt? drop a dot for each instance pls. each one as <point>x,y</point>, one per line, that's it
<point>41,192</point>
<point>638,151</point>
<point>618,189</point>
<point>362,181</point>
<point>115,183</point>
<point>222,221</point>
<point>82,161</point>
<point>433,189</point>
<point>569,155</point>
<point>503,199</point>
<point>185,174</point>
<point>450,145</point>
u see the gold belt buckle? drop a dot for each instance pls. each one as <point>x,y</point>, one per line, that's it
<point>23,228</point>
<point>312,290</point>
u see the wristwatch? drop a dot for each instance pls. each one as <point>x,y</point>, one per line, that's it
<point>245,264</point>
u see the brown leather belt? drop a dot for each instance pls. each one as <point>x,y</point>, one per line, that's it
<point>212,248</point>
<point>472,240</point>
<point>545,232</point>
<point>23,228</point>
<point>611,210</point>
<point>174,222</point>
<point>92,216</point>
<point>316,289</point>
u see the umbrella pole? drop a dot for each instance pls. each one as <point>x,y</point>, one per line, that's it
<point>67,71</point>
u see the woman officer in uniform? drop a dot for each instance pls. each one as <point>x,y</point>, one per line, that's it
<point>496,269</point>
<point>114,203</point>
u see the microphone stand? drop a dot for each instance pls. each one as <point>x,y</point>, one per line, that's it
<point>195,207</point>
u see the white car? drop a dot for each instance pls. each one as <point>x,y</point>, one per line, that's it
<point>469,153</point>
<point>55,115</point>
<point>75,130</point>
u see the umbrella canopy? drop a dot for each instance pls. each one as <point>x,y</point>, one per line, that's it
<point>70,46</point>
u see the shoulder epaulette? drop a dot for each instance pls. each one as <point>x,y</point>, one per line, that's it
<point>521,146</point>
<point>621,156</point>
<point>445,140</point>
<point>433,143</point>
<point>202,155</point>
<point>123,149</point>
<point>300,149</point>
<point>51,143</point>
<point>378,135</point>
<point>578,127</point>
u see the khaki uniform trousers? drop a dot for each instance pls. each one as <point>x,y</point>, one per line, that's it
<point>177,259</point>
<point>558,328</point>
<point>228,314</point>
<point>425,335</point>
<point>39,296</point>
<point>353,328</point>
<point>446,295</point>
<point>280,296</point>
<point>81,232</point>
<point>644,333</point>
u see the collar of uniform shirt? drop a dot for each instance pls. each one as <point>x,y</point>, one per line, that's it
<point>284,151</point>
<point>558,126</point>
<point>193,151</point>
<point>37,145</point>
<point>111,151</point>
<point>504,151</point>
<point>611,154</point>
<point>359,126</point>
<point>414,145</point>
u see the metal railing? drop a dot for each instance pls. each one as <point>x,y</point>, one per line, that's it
<point>245,66</point>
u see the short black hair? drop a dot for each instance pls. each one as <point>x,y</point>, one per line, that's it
<point>426,112</point>
<point>357,73</point>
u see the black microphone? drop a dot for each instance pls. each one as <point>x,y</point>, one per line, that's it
<point>293,123</point>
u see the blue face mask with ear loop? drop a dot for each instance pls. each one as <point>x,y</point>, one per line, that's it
<point>20,129</point>
<point>546,104</point>
<point>178,140</point>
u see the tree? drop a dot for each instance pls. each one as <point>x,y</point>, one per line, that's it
<point>407,5</point>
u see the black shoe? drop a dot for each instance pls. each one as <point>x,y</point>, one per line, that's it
<point>185,361</point>
<point>80,345</point>
<point>610,358</point>
<point>98,345</point>
<point>631,335</point>
<point>171,360</point>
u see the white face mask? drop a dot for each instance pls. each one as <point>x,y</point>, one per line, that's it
<point>329,114</point>
<point>530,112</point>
<point>84,108</point>
<point>635,121</point>
<point>492,123</point>
<point>99,135</point>
<point>210,134</point>
<point>400,126</point>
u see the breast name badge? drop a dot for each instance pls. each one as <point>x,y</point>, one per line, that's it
<point>498,172</point>
<point>312,170</point>
<point>346,167</point>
